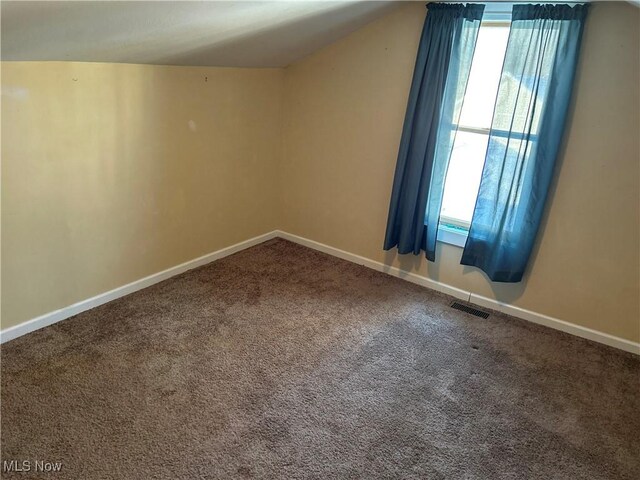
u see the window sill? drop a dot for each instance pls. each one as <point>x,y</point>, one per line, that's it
<point>452,235</point>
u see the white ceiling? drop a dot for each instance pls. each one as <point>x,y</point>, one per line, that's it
<point>212,33</point>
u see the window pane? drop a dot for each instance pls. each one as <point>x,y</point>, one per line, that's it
<point>463,176</point>
<point>482,88</point>
<point>469,149</point>
<point>524,86</point>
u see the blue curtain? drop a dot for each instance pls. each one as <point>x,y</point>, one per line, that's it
<point>435,101</point>
<point>526,133</point>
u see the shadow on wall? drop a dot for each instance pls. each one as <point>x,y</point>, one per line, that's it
<point>229,34</point>
<point>332,21</point>
<point>503,292</point>
<point>413,263</point>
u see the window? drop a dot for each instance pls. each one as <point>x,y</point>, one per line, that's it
<point>469,149</point>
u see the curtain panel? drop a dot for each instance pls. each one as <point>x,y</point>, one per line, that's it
<point>435,100</point>
<point>526,135</point>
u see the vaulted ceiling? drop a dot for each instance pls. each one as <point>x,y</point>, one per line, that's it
<point>212,33</point>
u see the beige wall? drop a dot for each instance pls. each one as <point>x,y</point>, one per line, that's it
<point>344,109</point>
<point>114,172</point>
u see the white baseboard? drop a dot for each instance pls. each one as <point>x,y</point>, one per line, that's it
<point>557,324</point>
<point>66,312</point>
<point>381,267</point>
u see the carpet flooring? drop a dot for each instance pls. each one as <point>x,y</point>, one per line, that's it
<point>282,362</point>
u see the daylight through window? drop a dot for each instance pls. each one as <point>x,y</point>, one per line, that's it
<point>467,158</point>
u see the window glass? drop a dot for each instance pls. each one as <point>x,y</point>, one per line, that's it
<point>469,148</point>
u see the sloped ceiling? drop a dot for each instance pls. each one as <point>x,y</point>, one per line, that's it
<point>208,33</point>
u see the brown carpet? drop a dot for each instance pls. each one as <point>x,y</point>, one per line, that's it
<point>282,362</point>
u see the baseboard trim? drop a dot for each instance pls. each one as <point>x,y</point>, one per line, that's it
<point>50,318</point>
<point>381,267</point>
<point>555,323</point>
<point>547,321</point>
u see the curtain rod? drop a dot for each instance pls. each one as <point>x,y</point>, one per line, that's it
<point>499,2</point>
<point>504,8</point>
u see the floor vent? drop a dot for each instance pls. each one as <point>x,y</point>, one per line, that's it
<point>468,309</point>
